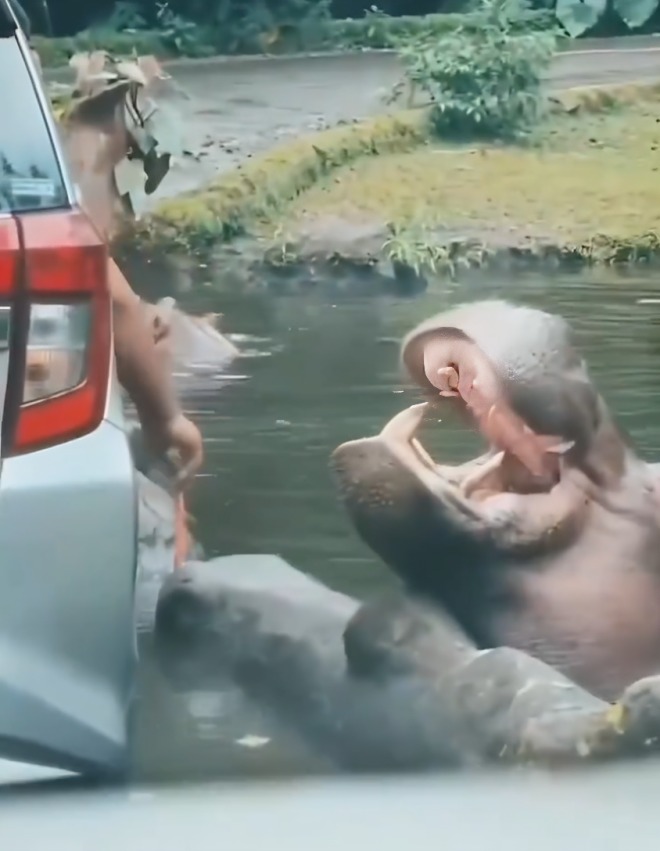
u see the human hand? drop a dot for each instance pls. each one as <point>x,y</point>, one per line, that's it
<point>186,440</point>
<point>181,436</point>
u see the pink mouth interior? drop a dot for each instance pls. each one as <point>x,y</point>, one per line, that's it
<point>458,368</point>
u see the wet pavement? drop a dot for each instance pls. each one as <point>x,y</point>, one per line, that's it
<point>240,108</point>
<point>234,108</point>
<point>517,811</point>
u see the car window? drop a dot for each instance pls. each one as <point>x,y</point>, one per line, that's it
<point>30,177</point>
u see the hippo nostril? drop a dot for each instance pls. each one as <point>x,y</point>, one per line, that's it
<point>181,613</point>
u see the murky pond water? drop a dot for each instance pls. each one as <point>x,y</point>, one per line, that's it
<point>321,368</point>
<point>324,369</point>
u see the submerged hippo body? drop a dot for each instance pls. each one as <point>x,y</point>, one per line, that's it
<point>550,542</point>
<point>388,685</point>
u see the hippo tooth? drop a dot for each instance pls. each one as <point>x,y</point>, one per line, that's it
<point>561,448</point>
<point>402,426</point>
<point>450,377</point>
<point>423,454</point>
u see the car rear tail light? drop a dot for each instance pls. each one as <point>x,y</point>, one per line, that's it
<point>61,361</point>
<point>56,357</point>
<point>9,256</point>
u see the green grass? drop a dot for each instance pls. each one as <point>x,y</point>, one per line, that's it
<point>590,186</point>
<point>255,192</point>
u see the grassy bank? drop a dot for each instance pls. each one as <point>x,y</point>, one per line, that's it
<point>586,189</point>
<point>251,196</point>
<point>373,32</point>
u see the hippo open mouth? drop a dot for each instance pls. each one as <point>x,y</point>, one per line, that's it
<point>515,373</point>
<point>517,377</point>
<point>487,479</point>
<point>460,371</point>
<point>549,541</point>
<point>402,501</point>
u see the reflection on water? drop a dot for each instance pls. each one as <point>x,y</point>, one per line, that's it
<point>322,369</point>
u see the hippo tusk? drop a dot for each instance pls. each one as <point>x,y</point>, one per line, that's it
<point>561,448</point>
<point>402,427</point>
<point>449,380</point>
<point>423,454</point>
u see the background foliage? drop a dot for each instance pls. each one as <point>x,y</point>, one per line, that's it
<point>483,82</point>
<point>204,27</point>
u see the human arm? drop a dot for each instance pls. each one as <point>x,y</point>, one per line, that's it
<point>142,371</point>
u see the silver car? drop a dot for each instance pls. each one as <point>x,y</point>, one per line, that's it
<point>68,488</point>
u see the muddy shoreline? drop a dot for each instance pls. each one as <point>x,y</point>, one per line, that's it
<point>243,268</point>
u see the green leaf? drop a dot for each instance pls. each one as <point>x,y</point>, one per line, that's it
<point>577,17</point>
<point>634,12</point>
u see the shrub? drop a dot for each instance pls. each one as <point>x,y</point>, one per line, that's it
<point>170,34</point>
<point>483,83</point>
<point>248,26</point>
<point>378,31</point>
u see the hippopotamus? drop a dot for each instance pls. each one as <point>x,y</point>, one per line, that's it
<point>549,542</point>
<point>197,351</point>
<point>390,684</point>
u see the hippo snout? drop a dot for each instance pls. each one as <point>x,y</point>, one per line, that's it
<point>184,628</point>
<point>370,476</point>
<point>355,461</point>
<point>182,610</point>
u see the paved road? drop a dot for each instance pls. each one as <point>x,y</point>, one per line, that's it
<point>237,107</point>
